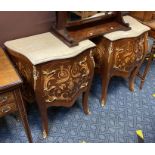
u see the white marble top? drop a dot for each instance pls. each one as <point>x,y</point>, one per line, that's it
<point>46,47</point>
<point>136,29</point>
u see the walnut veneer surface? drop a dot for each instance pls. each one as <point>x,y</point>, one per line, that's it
<point>8,75</point>
<point>10,95</point>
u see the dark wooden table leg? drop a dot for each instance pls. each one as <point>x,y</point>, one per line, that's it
<point>44,119</point>
<point>105,83</point>
<point>23,114</point>
<point>133,75</point>
<point>85,96</point>
<point>85,102</point>
<point>147,68</point>
<point>132,79</point>
<point>43,114</point>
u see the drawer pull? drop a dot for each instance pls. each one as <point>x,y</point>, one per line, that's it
<point>6,109</point>
<point>3,99</point>
<point>90,34</point>
<point>84,85</point>
<point>51,99</point>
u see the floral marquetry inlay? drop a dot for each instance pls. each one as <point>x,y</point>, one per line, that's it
<point>129,53</point>
<point>63,80</point>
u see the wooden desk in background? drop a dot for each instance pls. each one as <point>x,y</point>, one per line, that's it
<point>10,95</point>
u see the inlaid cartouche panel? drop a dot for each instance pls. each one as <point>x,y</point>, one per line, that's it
<point>128,53</point>
<point>62,81</point>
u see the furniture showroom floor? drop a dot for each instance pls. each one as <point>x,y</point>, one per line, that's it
<point>124,113</point>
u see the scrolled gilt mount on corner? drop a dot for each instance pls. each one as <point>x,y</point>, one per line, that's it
<point>72,30</point>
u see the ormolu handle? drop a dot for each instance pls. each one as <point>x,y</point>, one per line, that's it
<point>51,99</point>
<point>6,109</point>
<point>84,85</point>
<point>3,99</point>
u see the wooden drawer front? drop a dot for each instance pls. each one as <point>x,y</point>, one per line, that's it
<point>7,103</point>
<point>128,53</point>
<point>6,98</point>
<point>8,108</point>
<point>63,80</point>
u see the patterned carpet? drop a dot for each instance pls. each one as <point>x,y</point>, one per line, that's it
<point>124,113</point>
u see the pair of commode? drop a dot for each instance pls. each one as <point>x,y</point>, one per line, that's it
<point>55,74</point>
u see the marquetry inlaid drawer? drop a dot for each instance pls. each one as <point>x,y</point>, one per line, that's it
<point>62,80</point>
<point>128,52</point>
<point>8,108</point>
<point>6,98</point>
<point>7,103</point>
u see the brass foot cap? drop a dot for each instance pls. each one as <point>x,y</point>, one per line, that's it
<point>89,112</point>
<point>102,103</point>
<point>44,134</point>
<point>132,89</point>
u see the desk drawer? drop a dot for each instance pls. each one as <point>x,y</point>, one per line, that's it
<point>7,103</point>
<point>8,108</point>
<point>6,98</point>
